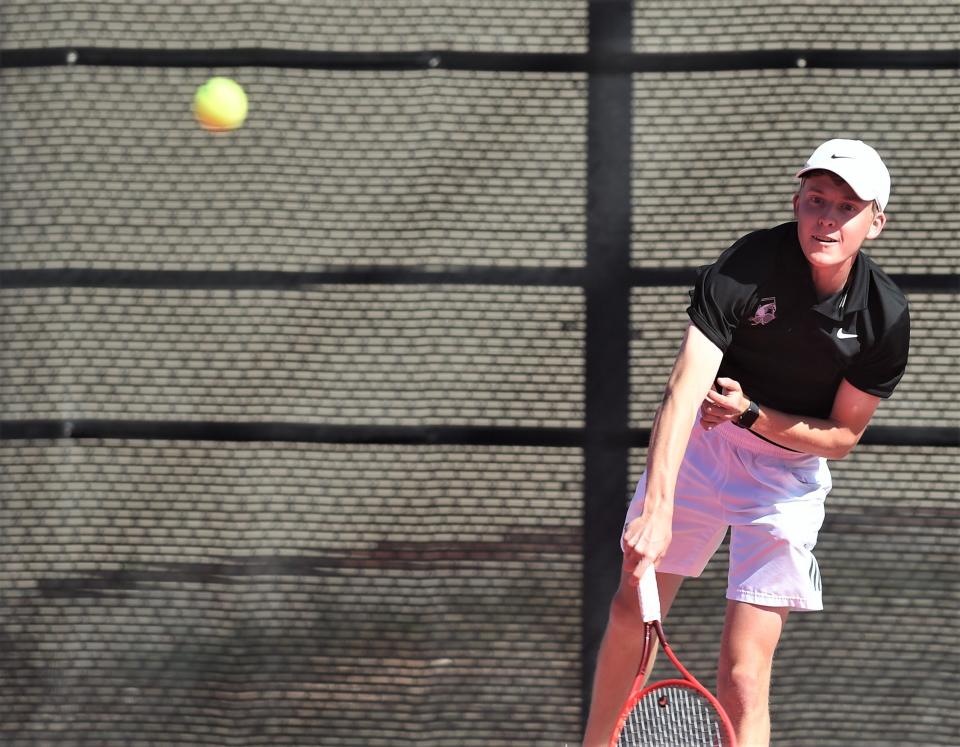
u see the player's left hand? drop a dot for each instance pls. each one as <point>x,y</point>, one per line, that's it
<point>724,406</point>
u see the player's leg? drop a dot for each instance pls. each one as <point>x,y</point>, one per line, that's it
<point>619,656</point>
<point>775,502</point>
<point>750,636</point>
<point>697,533</point>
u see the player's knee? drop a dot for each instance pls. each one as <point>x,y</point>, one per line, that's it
<point>743,688</point>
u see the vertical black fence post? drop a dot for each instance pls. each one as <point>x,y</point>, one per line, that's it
<point>607,320</point>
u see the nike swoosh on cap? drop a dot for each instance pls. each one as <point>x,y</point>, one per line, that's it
<point>836,156</point>
<point>841,335</point>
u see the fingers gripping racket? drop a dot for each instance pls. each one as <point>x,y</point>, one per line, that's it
<point>669,713</point>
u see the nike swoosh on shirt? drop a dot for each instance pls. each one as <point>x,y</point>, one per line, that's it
<point>841,335</point>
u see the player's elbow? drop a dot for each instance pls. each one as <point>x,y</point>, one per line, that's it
<point>837,453</point>
<point>842,443</point>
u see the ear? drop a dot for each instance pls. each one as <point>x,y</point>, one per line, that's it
<point>796,201</point>
<point>879,221</point>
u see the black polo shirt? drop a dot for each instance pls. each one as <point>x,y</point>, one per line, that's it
<point>788,350</point>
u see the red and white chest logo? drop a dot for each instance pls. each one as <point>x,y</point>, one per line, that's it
<point>766,312</point>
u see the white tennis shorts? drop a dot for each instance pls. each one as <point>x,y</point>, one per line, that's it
<point>773,501</point>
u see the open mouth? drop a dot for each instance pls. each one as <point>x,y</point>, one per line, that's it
<point>824,239</point>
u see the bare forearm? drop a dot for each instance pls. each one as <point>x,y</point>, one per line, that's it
<point>831,437</point>
<point>668,441</point>
<point>692,375</point>
<point>646,538</point>
<point>821,437</point>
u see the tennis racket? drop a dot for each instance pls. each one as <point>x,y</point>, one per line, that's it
<point>669,713</point>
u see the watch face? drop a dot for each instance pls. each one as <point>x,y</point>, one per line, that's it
<point>749,416</point>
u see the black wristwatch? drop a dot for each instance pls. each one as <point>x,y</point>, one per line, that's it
<point>749,416</point>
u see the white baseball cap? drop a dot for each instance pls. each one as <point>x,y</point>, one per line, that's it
<point>857,164</point>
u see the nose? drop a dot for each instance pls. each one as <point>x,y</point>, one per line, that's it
<point>825,217</point>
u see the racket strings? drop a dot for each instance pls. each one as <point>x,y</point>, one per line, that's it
<point>673,716</point>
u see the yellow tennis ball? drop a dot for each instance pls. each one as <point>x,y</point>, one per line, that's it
<point>220,104</point>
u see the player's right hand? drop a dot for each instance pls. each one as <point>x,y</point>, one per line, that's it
<point>645,541</point>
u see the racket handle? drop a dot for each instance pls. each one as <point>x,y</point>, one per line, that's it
<point>649,595</point>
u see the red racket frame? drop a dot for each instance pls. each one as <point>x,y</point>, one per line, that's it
<point>638,691</point>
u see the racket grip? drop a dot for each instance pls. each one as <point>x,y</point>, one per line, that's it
<point>649,595</point>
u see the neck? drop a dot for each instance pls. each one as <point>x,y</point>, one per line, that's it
<point>830,280</point>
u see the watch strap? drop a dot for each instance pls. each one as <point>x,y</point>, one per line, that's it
<point>749,416</point>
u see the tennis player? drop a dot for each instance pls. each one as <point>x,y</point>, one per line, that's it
<point>794,337</point>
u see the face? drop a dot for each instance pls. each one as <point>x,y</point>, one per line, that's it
<point>832,223</point>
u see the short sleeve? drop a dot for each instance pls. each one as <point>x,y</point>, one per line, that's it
<point>878,369</point>
<point>721,296</point>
